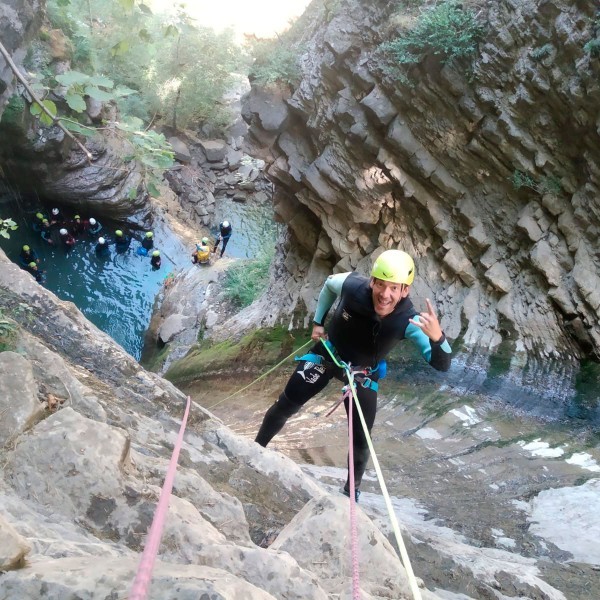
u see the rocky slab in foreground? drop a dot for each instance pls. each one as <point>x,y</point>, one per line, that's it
<point>80,482</point>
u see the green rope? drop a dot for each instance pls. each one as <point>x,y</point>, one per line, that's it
<point>388,502</point>
<point>261,376</point>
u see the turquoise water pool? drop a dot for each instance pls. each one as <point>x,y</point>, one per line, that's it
<point>117,293</point>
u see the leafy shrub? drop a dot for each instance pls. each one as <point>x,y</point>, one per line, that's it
<point>180,70</point>
<point>593,47</point>
<point>8,333</point>
<point>549,184</point>
<point>542,52</point>
<point>246,280</point>
<point>274,62</point>
<point>7,225</point>
<point>446,29</point>
<point>13,111</point>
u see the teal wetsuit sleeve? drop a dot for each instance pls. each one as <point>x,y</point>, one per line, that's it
<point>438,355</point>
<point>331,290</point>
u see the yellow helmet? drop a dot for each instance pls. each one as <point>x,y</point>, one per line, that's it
<point>395,266</point>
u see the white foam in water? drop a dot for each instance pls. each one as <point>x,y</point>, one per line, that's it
<point>468,417</point>
<point>539,448</point>
<point>585,461</point>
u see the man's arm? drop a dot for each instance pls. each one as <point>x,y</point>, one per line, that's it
<point>425,332</point>
<point>331,290</point>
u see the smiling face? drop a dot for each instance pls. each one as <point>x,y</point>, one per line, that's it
<point>386,294</point>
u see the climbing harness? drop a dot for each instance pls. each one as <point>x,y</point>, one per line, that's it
<point>260,377</point>
<point>386,496</point>
<point>139,589</point>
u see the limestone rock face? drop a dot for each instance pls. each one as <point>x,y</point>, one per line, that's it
<point>18,396</point>
<point>14,546</point>
<point>487,173</point>
<point>81,477</point>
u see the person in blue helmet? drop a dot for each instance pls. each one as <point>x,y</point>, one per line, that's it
<point>372,316</point>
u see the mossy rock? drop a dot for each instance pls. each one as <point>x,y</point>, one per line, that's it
<point>255,351</point>
<point>14,112</point>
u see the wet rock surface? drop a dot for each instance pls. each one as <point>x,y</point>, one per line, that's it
<point>493,500</point>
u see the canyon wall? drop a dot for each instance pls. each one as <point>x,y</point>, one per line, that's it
<point>486,171</point>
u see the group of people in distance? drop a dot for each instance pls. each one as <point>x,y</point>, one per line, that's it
<point>201,255</point>
<point>57,231</point>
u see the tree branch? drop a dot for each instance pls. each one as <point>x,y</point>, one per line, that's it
<point>55,119</point>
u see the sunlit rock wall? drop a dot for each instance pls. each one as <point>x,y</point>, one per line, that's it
<point>363,162</point>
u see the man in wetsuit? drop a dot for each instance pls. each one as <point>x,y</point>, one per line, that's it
<point>122,241</point>
<point>27,256</point>
<point>225,230</point>
<point>372,316</point>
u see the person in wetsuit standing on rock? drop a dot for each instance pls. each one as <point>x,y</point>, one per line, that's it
<point>373,315</point>
<point>225,231</point>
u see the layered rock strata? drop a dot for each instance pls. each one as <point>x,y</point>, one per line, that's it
<point>487,172</point>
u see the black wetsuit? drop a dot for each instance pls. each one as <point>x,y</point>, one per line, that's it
<point>225,234</point>
<point>27,257</point>
<point>122,243</point>
<point>361,338</point>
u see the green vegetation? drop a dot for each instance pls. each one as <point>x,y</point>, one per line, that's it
<point>546,185</point>
<point>7,225</point>
<point>446,29</point>
<point>256,350</point>
<point>13,111</point>
<point>9,327</point>
<point>542,52</point>
<point>151,151</point>
<point>8,333</point>
<point>179,70</point>
<point>277,60</point>
<point>245,280</point>
<point>274,62</point>
<point>593,46</point>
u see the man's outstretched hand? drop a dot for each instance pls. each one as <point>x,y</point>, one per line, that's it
<point>428,323</point>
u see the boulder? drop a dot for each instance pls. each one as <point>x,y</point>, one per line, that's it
<point>19,402</point>
<point>319,535</point>
<point>171,326</point>
<point>89,577</point>
<point>499,277</point>
<point>215,151</point>
<point>14,547</point>
<point>181,150</point>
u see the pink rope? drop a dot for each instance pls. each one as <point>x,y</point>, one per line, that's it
<point>139,589</point>
<point>346,394</point>
<point>353,532</point>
